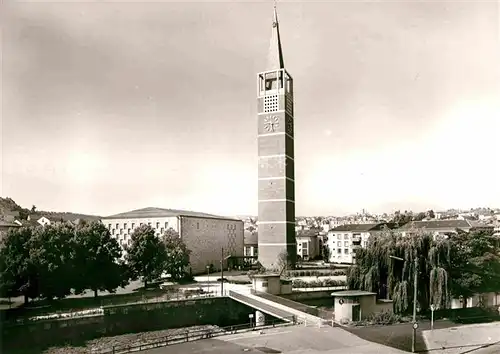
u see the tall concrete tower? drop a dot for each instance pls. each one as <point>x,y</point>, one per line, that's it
<point>276,158</point>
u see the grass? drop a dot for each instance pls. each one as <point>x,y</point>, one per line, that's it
<point>43,307</point>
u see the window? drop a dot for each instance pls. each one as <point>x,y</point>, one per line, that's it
<point>124,225</point>
<point>346,251</point>
<point>121,231</point>
<point>113,232</point>
<point>346,243</point>
<point>304,245</point>
<point>339,251</point>
<point>140,224</point>
<point>128,231</point>
<point>346,236</point>
<point>117,227</point>
<point>255,251</point>
<point>339,243</point>
<point>198,225</point>
<point>133,225</point>
<point>162,230</point>
<point>166,225</point>
<point>248,251</point>
<point>149,224</point>
<point>109,226</point>
<point>339,237</point>
<point>157,225</point>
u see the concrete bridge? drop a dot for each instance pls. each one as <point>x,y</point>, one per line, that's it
<point>281,308</point>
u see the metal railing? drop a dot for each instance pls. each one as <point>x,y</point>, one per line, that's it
<point>261,306</point>
<point>189,336</point>
<point>327,317</point>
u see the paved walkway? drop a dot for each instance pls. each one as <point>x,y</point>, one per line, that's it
<point>295,339</point>
<point>473,339</point>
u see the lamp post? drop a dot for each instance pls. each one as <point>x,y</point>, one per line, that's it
<point>208,279</point>
<point>415,283</point>
<point>222,259</point>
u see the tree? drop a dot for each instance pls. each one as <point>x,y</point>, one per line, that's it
<point>376,271</point>
<point>475,263</point>
<point>402,218</point>
<point>97,259</point>
<point>33,209</point>
<point>52,251</point>
<point>177,257</point>
<point>326,252</point>
<point>420,216</point>
<point>284,261</point>
<point>147,255</point>
<point>431,214</point>
<point>18,274</point>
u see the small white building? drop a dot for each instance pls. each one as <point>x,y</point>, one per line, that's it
<point>205,235</point>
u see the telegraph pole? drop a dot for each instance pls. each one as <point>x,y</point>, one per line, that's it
<point>222,272</point>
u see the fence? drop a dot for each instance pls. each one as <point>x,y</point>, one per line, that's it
<point>189,336</point>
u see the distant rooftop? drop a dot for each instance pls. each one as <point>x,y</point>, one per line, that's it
<point>360,227</point>
<point>152,212</point>
<point>437,225</point>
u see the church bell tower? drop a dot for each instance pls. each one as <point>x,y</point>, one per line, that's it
<point>276,217</point>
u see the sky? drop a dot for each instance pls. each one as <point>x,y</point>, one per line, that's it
<point>119,105</point>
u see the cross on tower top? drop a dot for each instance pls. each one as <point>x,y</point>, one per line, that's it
<point>275,55</point>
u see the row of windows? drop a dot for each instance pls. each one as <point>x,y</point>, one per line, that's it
<point>346,236</point>
<point>339,251</point>
<point>133,225</point>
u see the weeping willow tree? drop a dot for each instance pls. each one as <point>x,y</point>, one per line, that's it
<point>376,271</point>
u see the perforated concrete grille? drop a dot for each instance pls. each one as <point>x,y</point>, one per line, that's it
<point>271,103</point>
<point>231,238</point>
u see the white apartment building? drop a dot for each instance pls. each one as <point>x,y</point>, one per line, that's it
<point>344,239</point>
<point>205,235</point>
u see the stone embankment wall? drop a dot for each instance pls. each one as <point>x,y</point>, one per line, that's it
<point>130,318</point>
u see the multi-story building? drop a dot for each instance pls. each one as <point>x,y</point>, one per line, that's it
<point>207,236</point>
<point>309,244</point>
<point>344,239</point>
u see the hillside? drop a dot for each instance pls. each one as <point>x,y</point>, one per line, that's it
<point>9,207</point>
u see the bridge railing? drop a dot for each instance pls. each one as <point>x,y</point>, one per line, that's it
<point>259,305</point>
<point>189,336</point>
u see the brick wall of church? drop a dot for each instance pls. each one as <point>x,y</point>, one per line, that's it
<point>206,237</point>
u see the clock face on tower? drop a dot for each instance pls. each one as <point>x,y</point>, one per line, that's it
<point>271,123</point>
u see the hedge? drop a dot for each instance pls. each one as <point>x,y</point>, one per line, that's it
<point>326,283</point>
<point>315,273</point>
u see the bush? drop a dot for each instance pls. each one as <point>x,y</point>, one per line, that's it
<point>298,283</point>
<point>316,273</point>
<point>381,318</point>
